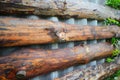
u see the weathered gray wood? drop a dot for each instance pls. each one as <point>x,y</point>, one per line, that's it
<point>98,72</point>
<point>63,8</point>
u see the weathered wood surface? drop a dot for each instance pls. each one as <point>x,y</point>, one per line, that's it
<point>62,8</point>
<point>37,61</point>
<point>98,72</point>
<point>18,31</point>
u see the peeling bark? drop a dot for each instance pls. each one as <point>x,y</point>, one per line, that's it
<point>63,8</point>
<point>35,62</point>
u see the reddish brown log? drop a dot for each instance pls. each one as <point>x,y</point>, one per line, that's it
<point>98,72</point>
<point>36,61</point>
<point>17,32</point>
<point>64,8</point>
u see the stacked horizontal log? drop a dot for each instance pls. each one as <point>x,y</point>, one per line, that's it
<point>35,62</point>
<point>18,31</point>
<point>98,72</point>
<point>29,63</point>
<point>63,8</point>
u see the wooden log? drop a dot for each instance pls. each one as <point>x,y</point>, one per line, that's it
<point>18,31</point>
<point>62,8</point>
<point>35,62</point>
<point>98,72</point>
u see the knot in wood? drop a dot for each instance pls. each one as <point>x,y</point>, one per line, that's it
<point>61,36</point>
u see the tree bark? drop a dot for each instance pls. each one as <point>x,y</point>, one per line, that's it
<point>35,62</point>
<point>18,32</point>
<point>62,8</point>
<point>98,72</point>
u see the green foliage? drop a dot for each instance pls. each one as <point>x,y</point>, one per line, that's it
<point>113,3</point>
<point>114,76</point>
<point>114,41</point>
<point>109,60</point>
<point>116,52</point>
<point>110,21</point>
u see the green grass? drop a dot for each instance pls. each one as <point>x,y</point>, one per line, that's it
<point>113,3</point>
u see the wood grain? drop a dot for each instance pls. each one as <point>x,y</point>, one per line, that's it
<point>62,8</point>
<point>38,61</point>
<point>98,72</point>
<point>18,32</point>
